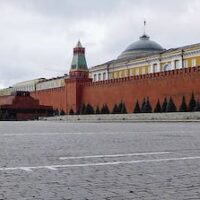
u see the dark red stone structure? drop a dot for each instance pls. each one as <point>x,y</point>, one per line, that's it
<point>21,106</point>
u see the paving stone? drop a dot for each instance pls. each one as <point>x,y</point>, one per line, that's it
<point>39,143</point>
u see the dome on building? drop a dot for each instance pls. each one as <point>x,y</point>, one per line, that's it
<point>142,47</point>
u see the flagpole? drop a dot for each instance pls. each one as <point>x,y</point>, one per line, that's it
<point>144,26</point>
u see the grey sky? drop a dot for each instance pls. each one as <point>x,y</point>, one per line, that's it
<point>37,36</point>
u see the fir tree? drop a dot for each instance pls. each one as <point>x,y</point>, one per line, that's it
<point>143,108</point>
<point>198,106</point>
<point>50,113</point>
<point>56,112</point>
<point>89,110</point>
<point>183,107</point>
<point>1,115</point>
<point>115,109</point>
<point>171,107</point>
<point>97,110</point>
<point>119,110</point>
<point>123,110</point>
<point>71,112</point>
<point>83,109</point>
<point>148,107</point>
<point>137,108</point>
<point>105,109</point>
<point>192,103</point>
<point>102,110</point>
<point>158,108</point>
<point>6,116</point>
<point>164,105</point>
<point>62,112</point>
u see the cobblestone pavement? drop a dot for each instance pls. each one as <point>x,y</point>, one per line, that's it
<point>112,161</point>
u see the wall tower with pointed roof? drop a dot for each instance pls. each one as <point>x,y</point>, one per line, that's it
<point>78,75</point>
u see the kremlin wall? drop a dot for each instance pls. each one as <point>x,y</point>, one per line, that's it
<point>175,84</point>
<point>143,72</point>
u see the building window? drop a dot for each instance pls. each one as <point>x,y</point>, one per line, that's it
<point>155,67</point>
<point>143,70</point>
<point>149,69</point>
<point>99,77</point>
<point>104,76</point>
<point>110,75</point>
<point>126,72</point>
<point>137,72</point>
<point>167,67</point>
<point>185,63</point>
<point>177,64</point>
<point>120,74</point>
<point>95,77</point>
<point>193,62</point>
<point>131,72</point>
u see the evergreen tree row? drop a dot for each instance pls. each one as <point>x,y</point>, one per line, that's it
<point>88,109</point>
<point>168,105</point>
<point>57,112</point>
<point>119,109</point>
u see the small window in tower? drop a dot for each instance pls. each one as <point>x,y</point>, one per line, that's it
<point>193,62</point>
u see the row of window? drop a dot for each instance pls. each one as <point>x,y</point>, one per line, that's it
<point>100,77</point>
<point>177,64</point>
<point>33,87</point>
<point>25,88</point>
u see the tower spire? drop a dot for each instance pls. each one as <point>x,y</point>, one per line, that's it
<point>145,27</point>
<point>79,45</point>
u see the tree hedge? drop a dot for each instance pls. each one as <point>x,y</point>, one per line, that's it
<point>183,106</point>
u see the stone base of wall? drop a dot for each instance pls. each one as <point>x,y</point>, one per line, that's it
<point>178,116</point>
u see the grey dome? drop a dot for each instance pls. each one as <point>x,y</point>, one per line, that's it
<point>143,46</point>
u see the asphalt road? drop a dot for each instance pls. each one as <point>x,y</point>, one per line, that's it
<point>89,161</point>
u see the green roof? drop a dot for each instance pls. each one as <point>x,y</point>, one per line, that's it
<point>79,61</point>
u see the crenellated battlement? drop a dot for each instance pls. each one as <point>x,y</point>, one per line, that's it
<point>155,75</point>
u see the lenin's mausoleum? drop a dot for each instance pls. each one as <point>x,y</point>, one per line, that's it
<point>145,74</point>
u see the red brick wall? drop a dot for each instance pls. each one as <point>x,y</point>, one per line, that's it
<point>74,93</point>
<point>52,97</point>
<point>155,86</point>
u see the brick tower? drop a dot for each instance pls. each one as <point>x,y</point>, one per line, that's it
<point>78,75</point>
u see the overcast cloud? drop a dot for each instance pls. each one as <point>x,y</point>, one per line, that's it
<point>37,36</point>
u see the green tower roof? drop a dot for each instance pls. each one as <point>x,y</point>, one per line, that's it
<point>79,62</point>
